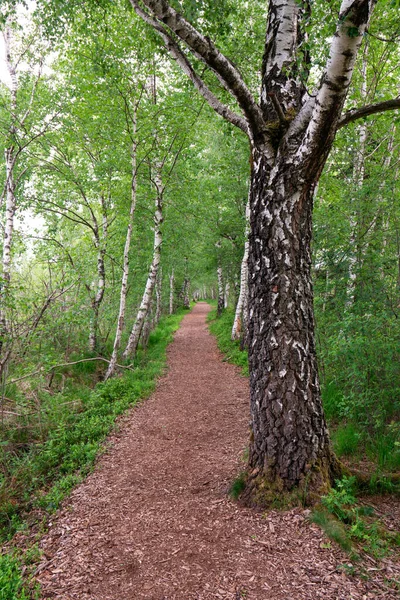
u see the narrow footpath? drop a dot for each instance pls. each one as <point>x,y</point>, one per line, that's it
<point>154,521</point>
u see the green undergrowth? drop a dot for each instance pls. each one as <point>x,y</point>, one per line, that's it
<point>353,525</point>
<point>36,477</point>
<point>221,328</point>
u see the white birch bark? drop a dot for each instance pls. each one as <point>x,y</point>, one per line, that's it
<point>220,280</point>
<point>226,294</point>
<point>125,271</point>
<point>10,161</point>
<point>134,337</point>
<point>240,320</point>
<point>171,292</point>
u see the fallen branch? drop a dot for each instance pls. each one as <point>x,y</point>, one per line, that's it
<point>76,362</point>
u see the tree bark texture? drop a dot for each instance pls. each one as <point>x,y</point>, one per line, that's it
<point>291,133</point>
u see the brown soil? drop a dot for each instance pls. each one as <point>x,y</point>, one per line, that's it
<point>154,521</point>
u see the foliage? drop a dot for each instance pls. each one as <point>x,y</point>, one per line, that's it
<point>40,476</point>
<point>351,524</point>
<point>12,585</point>
<point>222,328</point>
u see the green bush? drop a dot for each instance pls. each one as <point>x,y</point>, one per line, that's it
<point>12,586</point>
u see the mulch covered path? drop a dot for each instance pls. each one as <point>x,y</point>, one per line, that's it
<point>154,520</point>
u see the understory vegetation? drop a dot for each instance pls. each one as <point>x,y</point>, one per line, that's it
<point>44,459</point>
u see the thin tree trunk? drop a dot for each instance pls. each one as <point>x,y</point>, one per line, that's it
<point>101,280</point>
<point>125,272</point>
<point>171,292</point>
<point>10,161</point>
<point>134,337</point>
<point>239,328</point>
<point>220,281</point>
<point>158,312</point>
<point>226,294</point>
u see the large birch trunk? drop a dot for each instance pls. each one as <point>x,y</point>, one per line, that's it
<point>125,270</point>
<point>144,307</point>
<point>289,433</point>
<point>239,327</point>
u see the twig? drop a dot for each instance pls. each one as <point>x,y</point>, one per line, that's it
<point>76,362</point>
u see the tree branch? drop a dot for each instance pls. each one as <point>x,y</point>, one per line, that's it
<point>366,111</point>
<point>177,54</point>
<point>203,48</point>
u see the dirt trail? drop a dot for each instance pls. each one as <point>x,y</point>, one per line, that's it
<point>154,521</point>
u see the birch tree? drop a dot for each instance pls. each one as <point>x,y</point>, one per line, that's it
<point>239,328</point>
<point>291,132</point>
<point>145,304</point>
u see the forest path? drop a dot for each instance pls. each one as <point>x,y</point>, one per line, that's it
<point>154,521</point>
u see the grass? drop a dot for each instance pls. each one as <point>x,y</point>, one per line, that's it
<point>238,486</point>
<point>36,479</point>
<point>221,328</point>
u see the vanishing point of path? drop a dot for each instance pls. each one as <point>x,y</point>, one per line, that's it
<point>154,521</point>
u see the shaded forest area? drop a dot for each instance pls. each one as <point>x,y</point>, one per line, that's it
<point>123,198</point>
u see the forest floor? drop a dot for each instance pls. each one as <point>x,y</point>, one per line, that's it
<point>154,521</point>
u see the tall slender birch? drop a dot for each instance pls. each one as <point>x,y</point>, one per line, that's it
<point>291,133</point>
<point>144,307</point>
<point>171,292</point>
<point>220,281</point>
<point>125,269</point>
<point>239,327</point>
